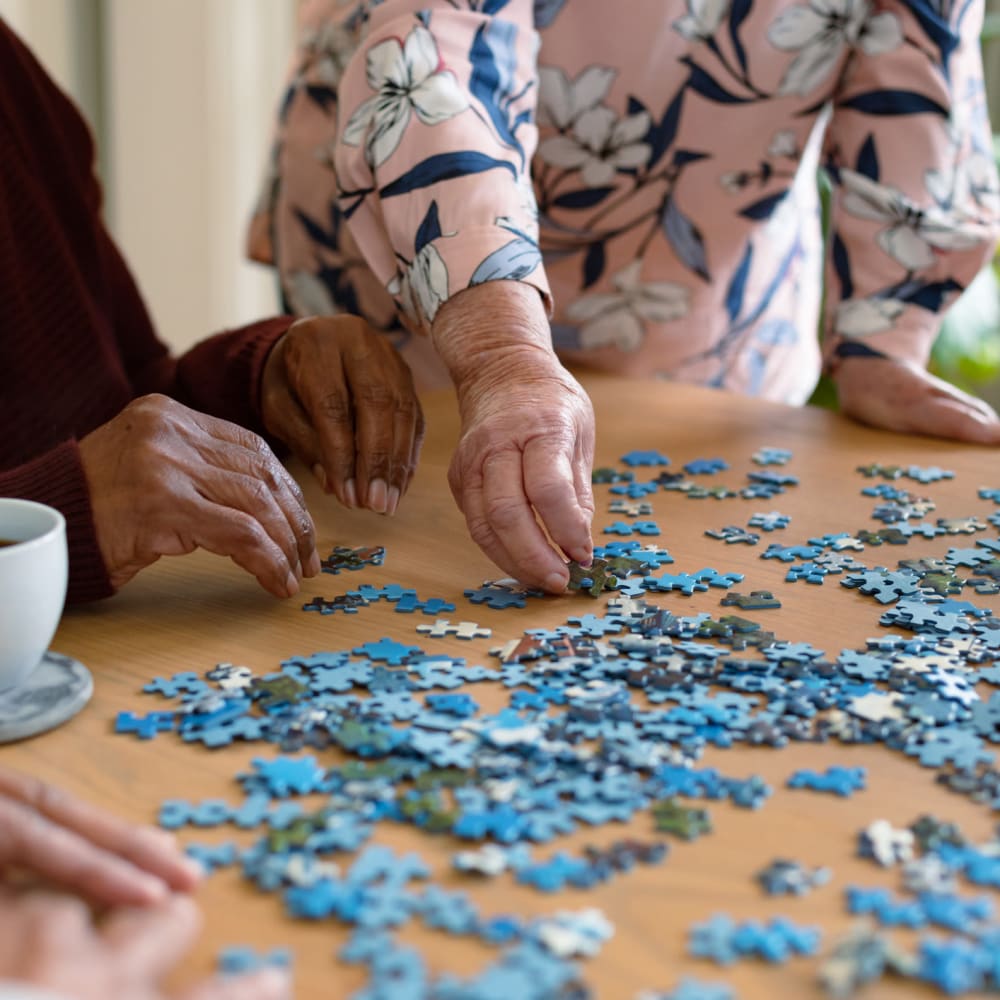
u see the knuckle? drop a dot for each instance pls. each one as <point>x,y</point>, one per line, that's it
<point>377,395</point>
<point>503,512</point>
<point>247,532</point>
<point>336,407</point>
<point>481,532</point>
<point>377,458</point>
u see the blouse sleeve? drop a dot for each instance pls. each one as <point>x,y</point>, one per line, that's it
<point>436,132</point>
<point>915,202</point>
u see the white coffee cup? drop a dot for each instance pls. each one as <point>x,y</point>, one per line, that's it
<point>33,576</point>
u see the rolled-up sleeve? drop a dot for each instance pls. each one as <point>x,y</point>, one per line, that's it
<point>915,207</point>
<point>436,132</point>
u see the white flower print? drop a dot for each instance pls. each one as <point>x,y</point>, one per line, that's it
<point>423,287</point>
<point>308,295</point>
<point>964,183</point>
<point>329,50</point>
<point>860,317</point>
<point>599,144</point>
<point>736,181</point>
<point>702,19</point>
<point>784,143</point>
<point>821,30</point>
<point>406,78</point>
<point>561,100</point>
<point>912,233</point>
<point>615,319</point>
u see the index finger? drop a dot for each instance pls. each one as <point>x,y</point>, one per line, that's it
<point>510,515</point>
<point>147,848</point>
<point>550,485</point>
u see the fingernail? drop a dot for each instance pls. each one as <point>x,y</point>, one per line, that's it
<point>350,493</point>
<point>320,473</point>
<point>555,582</point>
<point>393,501</point>
<point>376,495</point>
<point>313,565</point>
<point>291,584</point>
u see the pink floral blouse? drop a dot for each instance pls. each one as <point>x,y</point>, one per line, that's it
<point>650,167</point>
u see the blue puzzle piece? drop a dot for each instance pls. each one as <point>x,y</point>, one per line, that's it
<point>843,781</point>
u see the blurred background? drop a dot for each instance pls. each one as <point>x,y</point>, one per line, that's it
<point>181,95</point>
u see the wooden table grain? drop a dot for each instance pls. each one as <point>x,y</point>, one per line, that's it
<point>190,613</point>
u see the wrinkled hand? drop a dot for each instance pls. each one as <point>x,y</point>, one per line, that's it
<point>526,448</point>
<point>84,849</point>
<point>900,396</point>
<point>339,395</point>
<point>53,942</point>
<point>165,480</point>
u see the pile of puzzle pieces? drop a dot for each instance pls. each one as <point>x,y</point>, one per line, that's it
<point>607,717</point>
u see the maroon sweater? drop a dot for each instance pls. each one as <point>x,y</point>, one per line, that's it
<point>76,342</point>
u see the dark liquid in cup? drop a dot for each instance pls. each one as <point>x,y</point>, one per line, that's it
<point>4,542</point>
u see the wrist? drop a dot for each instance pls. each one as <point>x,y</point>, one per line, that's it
<point>491,326</point>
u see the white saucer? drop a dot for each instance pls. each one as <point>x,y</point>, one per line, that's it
<point>53,693</point>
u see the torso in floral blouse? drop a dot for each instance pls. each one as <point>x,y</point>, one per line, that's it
<point>649,165</point>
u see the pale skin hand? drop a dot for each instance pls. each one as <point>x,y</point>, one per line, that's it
<point>165,480</point>
<point>81,848</point>
<point>55,943</point>
<point>339,395</point>
<point>527,443</point>
<point>900,396</point>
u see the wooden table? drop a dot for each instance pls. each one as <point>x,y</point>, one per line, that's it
<point>188,614</point>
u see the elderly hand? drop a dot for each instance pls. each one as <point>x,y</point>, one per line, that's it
<point>521,471</point>
<point>900,396</point>
<point>53,942</point>
<point>83,849</point>
<point>165,480</point>
<point>339,395</point>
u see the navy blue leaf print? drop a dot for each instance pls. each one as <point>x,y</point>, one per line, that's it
<point>323,96</point>
<point>494,65</point>
<point>765,207</point>
<point>708,87</point>
<point>593,264</point>
<point>684,236</point>
<point>661,135</point>
<point>428,230</point>
<point>894,102</point>
<point>682,157</point>
<point>842,266</point>
<point>443,167</point>
<point>316,232</point>
<point>738,286</point>
<point>494,6</point>
<point>512,262</point>
<point>932,296</point>
<point>737,15</point>
<point>546,11</point>
<point>584,198</point>
<point>868,159</point>
<point>634,105</point>
<point>936,28</point>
